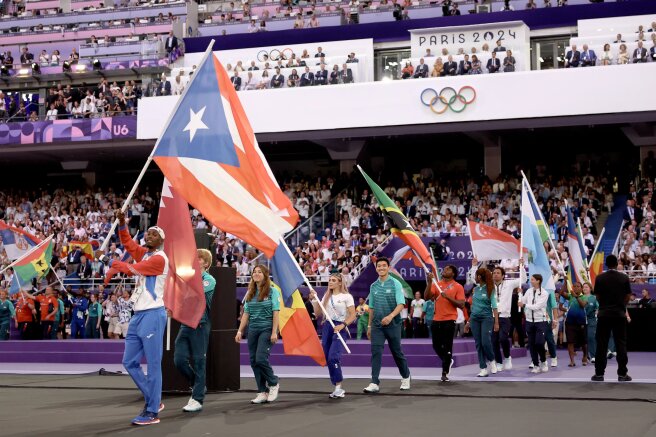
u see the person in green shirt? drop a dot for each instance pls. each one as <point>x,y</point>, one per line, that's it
<point>429,313</point>
<point>59,317</point>
<point>386,300</point>
<point>7,312</point>
<point>484,318</point>
<point>591,309</point>
<point>93,321</point>
<point>261,315</point>
<point>362,311</point>
<point>191,343</point>
<point>575,323</point>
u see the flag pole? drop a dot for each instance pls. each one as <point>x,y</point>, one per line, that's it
<point>580,231</point>
<point>29,252</point>
<point>594,252</point>
<point>126,203</point>
<point>471,241</point>
<point>307,282</point>
<point>168,333</point>
<point>57,276</point>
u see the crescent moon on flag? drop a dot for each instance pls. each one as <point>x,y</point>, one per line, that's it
<point>478,230</point>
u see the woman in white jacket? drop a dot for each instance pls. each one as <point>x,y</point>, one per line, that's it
<point>534,302</point>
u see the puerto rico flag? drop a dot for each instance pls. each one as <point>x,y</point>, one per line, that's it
<point>209,153</point>
<point>16,241</point>
<point>490,243</point>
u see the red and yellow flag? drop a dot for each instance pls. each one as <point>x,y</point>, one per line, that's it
<point>299,337</point>
<point>596,267</point>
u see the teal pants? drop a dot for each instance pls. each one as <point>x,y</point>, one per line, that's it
<point>592,337</point>
<point>91,330</point>
<point>259,349</point>
<point>4,330</point>
<point>391,333</point>
<point>481,328</point>
<point>190,357</point>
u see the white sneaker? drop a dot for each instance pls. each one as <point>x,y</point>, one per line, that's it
<point>483,373</point>
<point>405,383</point>
<point>544,367</point>
<point>535,370</point>
<point>337,394</point>
<point>531,366</point>
<point>500,367</point>
<point>507,363</point>
<point>371,388</point>
<point>554,362</point>
<point>450,366</point>
<point>273,393</point>
<point>493,367</point>
<point>192,406</point>
<point>261,398</point>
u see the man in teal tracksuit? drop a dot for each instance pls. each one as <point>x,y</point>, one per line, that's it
<point>7,312</point>
<point>386,300</point>
<point>191,344</point>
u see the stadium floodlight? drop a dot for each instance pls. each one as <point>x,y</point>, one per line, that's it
<point>66,66</point>
<point>96,64</point>
<point>36,68</point>
<point>4,70</point>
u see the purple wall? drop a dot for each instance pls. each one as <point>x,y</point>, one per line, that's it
<point>85,129</point>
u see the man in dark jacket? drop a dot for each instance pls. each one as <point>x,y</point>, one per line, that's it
<point>613,291</point>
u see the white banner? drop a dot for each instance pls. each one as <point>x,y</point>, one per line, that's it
<point>513,35</point>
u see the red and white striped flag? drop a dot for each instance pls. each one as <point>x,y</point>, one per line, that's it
<point>489,243</point>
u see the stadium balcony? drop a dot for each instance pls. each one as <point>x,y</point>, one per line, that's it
<point>220,19</point>
<point>53,19</point>
<point>537,92</point>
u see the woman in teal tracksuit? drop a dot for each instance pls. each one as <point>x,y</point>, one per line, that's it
<point>484,318</point>
<point>261,311</point>
<point>93,321</point>
<point>591,315</point>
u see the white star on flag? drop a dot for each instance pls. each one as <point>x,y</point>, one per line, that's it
<point>195,122</point>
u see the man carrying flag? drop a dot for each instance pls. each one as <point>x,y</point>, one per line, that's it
<point>146,329</point>
<point>447,301</point>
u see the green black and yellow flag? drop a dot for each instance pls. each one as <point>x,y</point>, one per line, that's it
<point>399,224</point>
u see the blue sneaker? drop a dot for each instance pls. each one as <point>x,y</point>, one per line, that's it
<point>146,419</point>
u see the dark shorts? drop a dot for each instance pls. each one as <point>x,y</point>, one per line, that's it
<point>576,334</point>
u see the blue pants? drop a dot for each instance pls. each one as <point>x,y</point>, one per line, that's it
<point>332,348</point>
<point>145,337</point>
<point>259,348</point>
<point>592,337</point>
<point>415,327</point>
<point>391,333</point>
<point>4,330</point>
<point>551,342</point>
<point>481,328</point>
<point>537,332</point>
<point>77,327</point>
<point>91,330</point>
<point>191,345</point>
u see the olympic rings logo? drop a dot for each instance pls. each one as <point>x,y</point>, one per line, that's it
<point>274,55</point>
<point>448,98</point>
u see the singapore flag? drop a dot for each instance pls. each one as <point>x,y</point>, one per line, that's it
<point>489,243</point>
